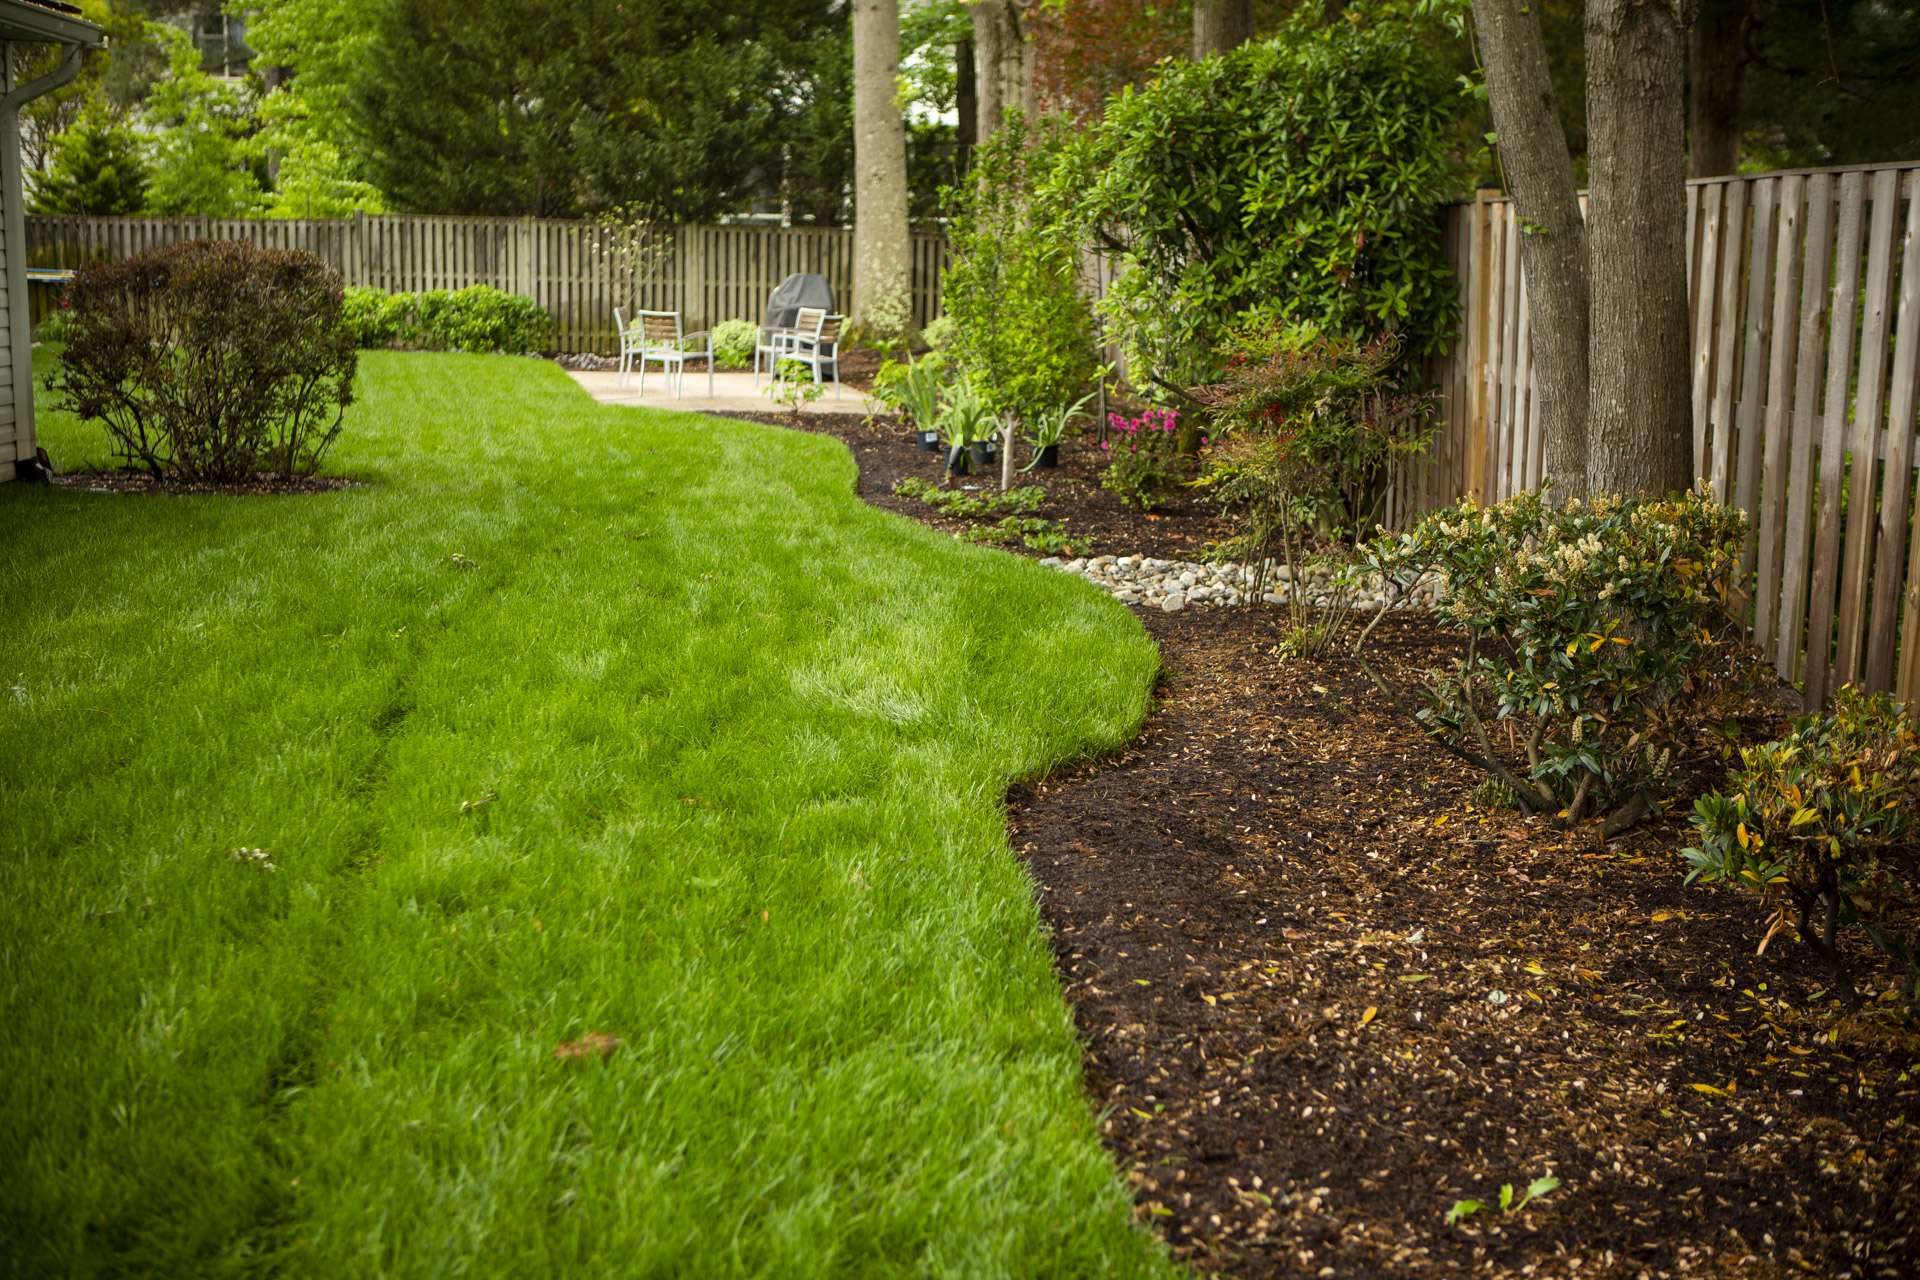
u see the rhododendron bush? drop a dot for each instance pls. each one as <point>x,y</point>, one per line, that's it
<point>1588,627</point>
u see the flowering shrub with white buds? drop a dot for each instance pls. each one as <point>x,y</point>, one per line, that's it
<point>1586,624</point>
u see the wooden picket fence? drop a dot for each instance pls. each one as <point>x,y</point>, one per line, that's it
<point>1805,292</point>
<point>578,271</point>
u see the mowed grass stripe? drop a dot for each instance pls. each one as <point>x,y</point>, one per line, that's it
<point>572,718</point>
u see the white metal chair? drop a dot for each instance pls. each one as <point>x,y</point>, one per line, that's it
<point>656,336</point>
<point>629,343</point>
<point>775,344</point>
<point>815,343</point>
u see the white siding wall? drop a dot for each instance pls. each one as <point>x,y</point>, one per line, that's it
<point>9,432</point>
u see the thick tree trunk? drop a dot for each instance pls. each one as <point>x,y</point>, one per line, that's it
<point>1553,250</point>
<point>966,101</point>
<point>1003,63</point>
<point>1716,75</point>
<point>1220,26</point>
<point>882,261</point>
<point>1639,410</point>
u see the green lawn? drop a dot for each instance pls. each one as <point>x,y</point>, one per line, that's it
<point>572,718</point>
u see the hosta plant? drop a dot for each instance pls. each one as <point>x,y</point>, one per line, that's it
<point>1588,627</point>
<point>1807,821</point>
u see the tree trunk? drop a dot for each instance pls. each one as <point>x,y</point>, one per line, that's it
<point>1003,63</point>
<point>1639,410</point>
<point>966,101</point>
<point>882,256</point>
<point>1716,72</point>
<point>1220,26</point>
<point>1553,248</point>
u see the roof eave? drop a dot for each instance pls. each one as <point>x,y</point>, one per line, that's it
<point>33,23</point>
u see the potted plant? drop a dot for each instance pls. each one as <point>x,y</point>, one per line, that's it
<point>968,426</point>
<point>920,396</point>
<point>1045,432</point>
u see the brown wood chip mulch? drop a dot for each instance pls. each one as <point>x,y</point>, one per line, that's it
<point>141,482</point>
<point>1324,995</point>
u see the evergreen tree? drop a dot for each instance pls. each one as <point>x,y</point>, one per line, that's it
<point>97,168</point>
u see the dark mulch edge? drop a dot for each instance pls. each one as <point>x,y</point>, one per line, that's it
<point>1323,995</point>
<point>140,482</point>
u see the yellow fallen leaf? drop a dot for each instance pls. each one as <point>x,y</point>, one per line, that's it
<point>1367,1017</point>
<point>1711,1090</point>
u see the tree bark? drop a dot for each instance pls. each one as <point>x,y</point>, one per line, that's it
<point>1639,408</point>
<point>1553,246</point>
<point>1003,63</point>
<point>966,102</point>
<point>1716,75</point>
<point>1220,26</point>
<point>882,253</point>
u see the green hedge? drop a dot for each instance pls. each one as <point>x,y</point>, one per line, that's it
<point>477,318</point>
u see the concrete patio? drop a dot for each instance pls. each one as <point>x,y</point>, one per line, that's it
<point>733,392</point>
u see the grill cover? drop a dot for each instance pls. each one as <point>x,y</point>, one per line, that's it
<point>793,293</point>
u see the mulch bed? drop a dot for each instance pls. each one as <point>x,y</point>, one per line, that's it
<point>1096,520</point>
<point>141,482</point>
<point>1324,995</point>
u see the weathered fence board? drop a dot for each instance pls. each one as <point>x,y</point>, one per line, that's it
<point>578,271</point>
<point>1804,341</point>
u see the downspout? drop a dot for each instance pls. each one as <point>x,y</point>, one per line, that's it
<point>13,196</point>
<point>61,75</point>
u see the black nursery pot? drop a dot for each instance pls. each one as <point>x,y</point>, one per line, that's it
<point>959,461</point>
<point>1048,458</point>
<point>983,452</point>
<point>930,442</point>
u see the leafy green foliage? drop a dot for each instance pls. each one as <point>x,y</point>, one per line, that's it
<point>690,108</point>
<point>1589,628</point>
<point>1013,508</point>
<point>917,390</point>
<point>98,169</point>
<point>962,505</point>
<point>206,160</point>
<point>1022,332</point>
<point>938,333</point>
<point>1295,179</point>
<point>965,417</point>
<point>733,343</point>
<point>476,318</point>
<point>211,360</point>
<point>1805,819</point>
<point>1463,1209</point>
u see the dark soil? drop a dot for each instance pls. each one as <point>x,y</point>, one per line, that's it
<point>1096,521</point>
<point>1325,995</point>
<point>141,482</point>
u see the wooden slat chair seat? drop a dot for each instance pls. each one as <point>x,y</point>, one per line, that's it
<point>655,337</point>
<point>815,344</point>
<point>774,344</point>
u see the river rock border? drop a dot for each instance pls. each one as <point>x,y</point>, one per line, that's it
<point>1172,585</point>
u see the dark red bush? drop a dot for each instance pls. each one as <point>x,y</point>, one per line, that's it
<point>211,360</point>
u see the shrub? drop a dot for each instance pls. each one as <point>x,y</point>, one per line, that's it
<point>476,318</point>
<point>939,333</point>
<point>1021,330</point>
<point>211,360</point>
<point>1296,178</point>
<point>56,327</point>
<point>1805,819</point>
<point>1143,459</point>
<point>1587,627</point>
<point>733,343</point>
<point>1305,427</point>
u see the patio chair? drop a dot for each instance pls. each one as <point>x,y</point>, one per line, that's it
<point>657,337</point>
<point>817,346</point>
<point>629,343</point>
<point>776,343</point>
